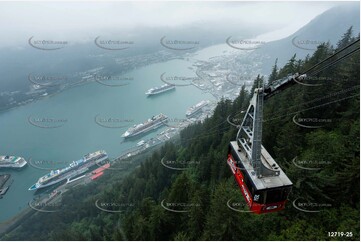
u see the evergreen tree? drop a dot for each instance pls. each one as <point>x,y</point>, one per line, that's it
<point>274,73</point>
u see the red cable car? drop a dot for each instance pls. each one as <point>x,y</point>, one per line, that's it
<point>262,195</point>
<point>264,186</point>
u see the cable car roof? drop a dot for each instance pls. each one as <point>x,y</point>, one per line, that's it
<point>264,182</point>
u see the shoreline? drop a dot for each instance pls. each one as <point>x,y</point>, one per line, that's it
<point>81,83</point>
<point>22,215</point>
<point>3,179</point>
<point>12,223</point>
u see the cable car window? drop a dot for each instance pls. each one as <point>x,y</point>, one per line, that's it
<point>274,196</point>
<point>248,182</point>
<point>277,195</point>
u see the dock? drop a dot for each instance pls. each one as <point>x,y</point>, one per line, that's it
<point>3,179</point>
<point>4,185</point>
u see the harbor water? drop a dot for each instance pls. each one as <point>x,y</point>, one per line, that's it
<point>66,125</point>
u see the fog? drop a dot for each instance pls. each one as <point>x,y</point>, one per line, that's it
<point>82,21</point>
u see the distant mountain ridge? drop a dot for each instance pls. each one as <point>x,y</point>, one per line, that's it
<point>328,26</point>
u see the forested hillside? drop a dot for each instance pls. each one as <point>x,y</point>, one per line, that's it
<point>305,40</point>
<point>190,203</point>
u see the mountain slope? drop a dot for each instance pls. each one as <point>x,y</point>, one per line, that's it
<point>334,22</point>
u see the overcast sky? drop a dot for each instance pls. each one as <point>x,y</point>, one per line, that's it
<point>79,21</point>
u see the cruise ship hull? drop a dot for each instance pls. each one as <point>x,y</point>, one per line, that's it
<point>191,114</point>
<point>68,175</point>
<point>14,167</point>
<point>160,91</point>
<point>150,128</point>
<point>196,109</point>
<point>17,165</point>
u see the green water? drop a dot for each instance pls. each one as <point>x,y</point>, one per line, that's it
<point>80,134</point>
